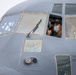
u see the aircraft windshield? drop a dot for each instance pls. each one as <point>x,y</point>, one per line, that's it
<point>30,20</point>
<point>70,9</point>
<point>33,45</point>
<point>57,8</point>
<point>70,27</point>
<point>9,23</point>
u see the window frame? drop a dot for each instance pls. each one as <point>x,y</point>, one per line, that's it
<point>33,39</point>
<point>10,32</point>
<point>65,8</point>
<point>47,25</point>
<point>68,16</point>
<point>30,30</point>
<point>63,55</point>
<point>61,8</point>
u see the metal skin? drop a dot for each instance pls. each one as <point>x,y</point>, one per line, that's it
<point>12,45</point>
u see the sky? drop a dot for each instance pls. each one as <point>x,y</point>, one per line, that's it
<point>5,5</point>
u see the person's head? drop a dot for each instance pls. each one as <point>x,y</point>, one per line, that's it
<point>57,26</point>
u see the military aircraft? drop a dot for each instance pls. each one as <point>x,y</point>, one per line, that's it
<point>26,45</point>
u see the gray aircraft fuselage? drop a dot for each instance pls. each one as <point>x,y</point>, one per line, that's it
<point>53,55</point>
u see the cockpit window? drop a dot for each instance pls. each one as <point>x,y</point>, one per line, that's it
<point>70,9</point>
<point>70,27</point>
<point>57,8</point>
<point>54,27</point>
<point>33,45</point>
<point>9,23</point>
<point>30,20</point>
<point>63,65</point>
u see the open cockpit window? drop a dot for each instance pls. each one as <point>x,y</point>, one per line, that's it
<point>57,8</point>
<point>70,27</point>
<point>33,45</point>
<point>9,23</point>
<point>54,27</point>
<point>29,22</point>
<point>70,9</point>
<point>63,65</point>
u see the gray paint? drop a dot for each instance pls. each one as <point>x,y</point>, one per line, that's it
<point>11,48</point>
<point>34,5</point>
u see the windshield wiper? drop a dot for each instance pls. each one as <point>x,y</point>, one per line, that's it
<point>34,29</point>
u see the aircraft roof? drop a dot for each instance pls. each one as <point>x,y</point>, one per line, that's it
<point>37,6</point>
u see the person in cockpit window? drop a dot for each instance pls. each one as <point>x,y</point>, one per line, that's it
<point>50,26</point>
<point>56,29</point>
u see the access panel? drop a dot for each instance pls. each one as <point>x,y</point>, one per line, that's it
<point>33,45</point>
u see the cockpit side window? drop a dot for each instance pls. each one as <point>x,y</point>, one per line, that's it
<point>54,27</point>
<point>70,27</point>
<point>63,65</point>
<point>70,21</point>
<point>57,8</point>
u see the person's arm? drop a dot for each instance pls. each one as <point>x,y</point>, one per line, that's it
<point>59,34</point>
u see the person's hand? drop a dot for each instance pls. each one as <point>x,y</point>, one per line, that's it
<point>49,32</point>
